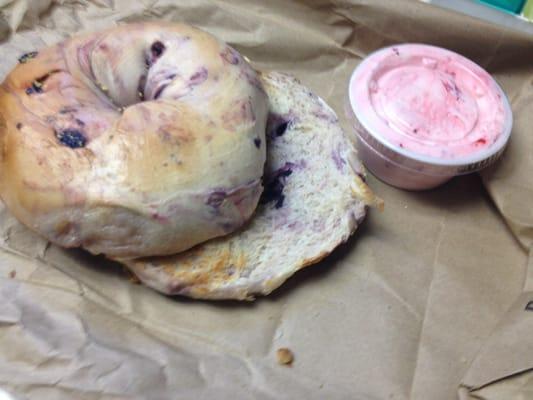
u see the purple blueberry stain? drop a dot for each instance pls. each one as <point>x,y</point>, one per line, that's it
<point>160,90</point>
<point>162,86</point>
<point>326,116</point>
<point>277,125</point>
<point>27,56</point>
<point>67,110</point>
<point>230,56</point>
<point>338,160</point>
<point>37,84</point>
<point>36,87</point>
<point>198,77</point>
<point>274,185</point>
<point>72,138</point>
<point>281,129</point>
<point>216,198</point>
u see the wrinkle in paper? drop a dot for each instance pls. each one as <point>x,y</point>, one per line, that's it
<point>399,312</point>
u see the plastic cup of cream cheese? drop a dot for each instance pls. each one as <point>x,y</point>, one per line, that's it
<point>424,114</point>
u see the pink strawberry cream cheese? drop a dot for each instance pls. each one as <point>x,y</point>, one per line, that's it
<point>424,114</point>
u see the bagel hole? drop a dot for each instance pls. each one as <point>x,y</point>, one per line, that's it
<point>156,50</point>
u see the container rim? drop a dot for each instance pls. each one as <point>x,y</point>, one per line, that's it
<point>464,161</point>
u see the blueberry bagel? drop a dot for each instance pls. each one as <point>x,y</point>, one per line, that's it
<point>315,197</point>
<point>144,139</point>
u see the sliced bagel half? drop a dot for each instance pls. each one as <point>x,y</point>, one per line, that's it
<point>314,198</point>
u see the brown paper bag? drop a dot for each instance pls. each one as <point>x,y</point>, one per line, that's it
<point>422,299</point>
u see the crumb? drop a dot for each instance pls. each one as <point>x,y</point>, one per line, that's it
<point>134,279</point>
<point>12,274</point>
<point>285,356</point>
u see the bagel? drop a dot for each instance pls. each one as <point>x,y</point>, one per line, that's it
<point>315,197</point>
<point>144,139</point>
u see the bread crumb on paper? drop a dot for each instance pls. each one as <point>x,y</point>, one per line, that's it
<point>285,356</point>
<point>132,278</point>
<point>12,274</point>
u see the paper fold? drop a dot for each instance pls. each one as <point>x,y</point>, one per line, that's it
<point>424,301</point>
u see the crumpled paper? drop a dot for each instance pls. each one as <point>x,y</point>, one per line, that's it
<point>427,301</point>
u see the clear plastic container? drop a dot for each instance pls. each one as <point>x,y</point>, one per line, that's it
<point>403,167</point>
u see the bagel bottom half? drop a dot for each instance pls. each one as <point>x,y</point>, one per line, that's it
<point>314,199</point>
